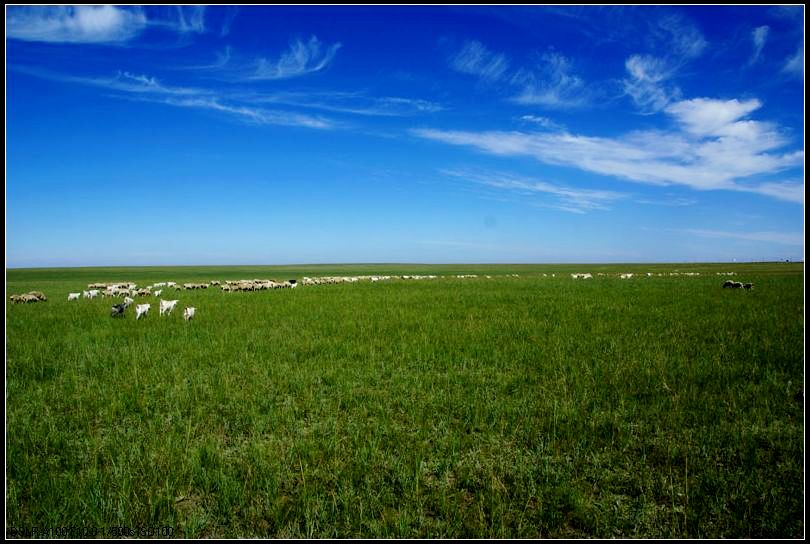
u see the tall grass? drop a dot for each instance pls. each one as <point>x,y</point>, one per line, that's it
<point>504,407</point>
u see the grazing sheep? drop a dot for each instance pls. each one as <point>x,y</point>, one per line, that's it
<point>73,296</point>
<point>732,284</point>
<point>748,285</point>
<point>188,313</point>
<point>626,276</point>
<point>39,294</point>
<point>141,309</point>
<point>32,296</point>
<point>158,292</point>
<point>118,310</point>
<point>127,302</point>
<point>166,306</point>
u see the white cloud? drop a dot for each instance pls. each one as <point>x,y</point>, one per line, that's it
<point>122,81</point>
<point>227,21</point>
<point>795,64</point>
<point>716,149</point>
<point>350,102</point>
<point>790,191</point>
<point>552,84</point>
<point>301,59</point>
<point>671,201</point>
<point>566,198</point>
<point>709,117</point>
<point>677,42</point>
<point>679,36</point>
<point>475,59</point>
<point>185,19</point>
<point>541,121</point>
<point>251,114</point>
<point>783,238</point>
<point>79,24</point>
<point>150,89</point>
<point>759,35</point>
<point>646,83</point>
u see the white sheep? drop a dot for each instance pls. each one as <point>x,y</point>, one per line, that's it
<point>166,306</point>
<point>141,309</point>
<point>188,313</point>
<point>73,296</point>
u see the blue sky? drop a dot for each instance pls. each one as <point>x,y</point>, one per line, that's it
<point>274,135</point>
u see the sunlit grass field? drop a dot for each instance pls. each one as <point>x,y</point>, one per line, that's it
<point>529,406</point>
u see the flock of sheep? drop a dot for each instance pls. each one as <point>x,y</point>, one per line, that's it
<point>31,296</point>
<point>130,289</point>
<point>166,307</point>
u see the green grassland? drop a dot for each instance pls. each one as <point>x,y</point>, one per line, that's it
<point>527,406</point>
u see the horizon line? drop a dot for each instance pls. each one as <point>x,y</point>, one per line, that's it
<point>583,263</point>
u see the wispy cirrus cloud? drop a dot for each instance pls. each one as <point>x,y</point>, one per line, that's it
<point>543,122</point>
<point>552,83</point>
<point>790,191</point>
<point>357,103</point>
<point>646,83</point>
<point>677,35</point>
<point>714,147</point>
<point>300,59</point>
<point>122,81</point>
<point>565,198</point>
<point>149,89</point>
<point>672,201</point>
<point>771,237</point>
<point>795,65</point>
<point>227,21</point>
<point>253,115</point>
<point>475,59</point>
<point>190,19</point>
<point>79,24</point>
<point>758,37</point>
<point>675,42</point>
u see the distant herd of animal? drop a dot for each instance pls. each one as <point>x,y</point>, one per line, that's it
<point>129,289</point>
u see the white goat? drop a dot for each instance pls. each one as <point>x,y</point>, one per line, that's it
<point>141,309</point>
<point>166,306</point>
